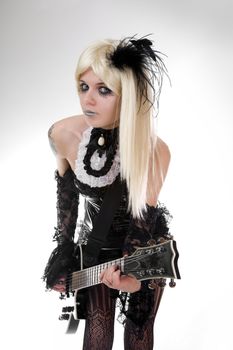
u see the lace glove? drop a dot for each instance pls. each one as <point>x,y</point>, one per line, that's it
<point>62,258</point>
<point>152,228</point>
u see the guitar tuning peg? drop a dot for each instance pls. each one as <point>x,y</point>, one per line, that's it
<point>172,283</point>
<point>152,285</point>
<point>161,240</point>
<point>160,282</point>
<point>151,242</point>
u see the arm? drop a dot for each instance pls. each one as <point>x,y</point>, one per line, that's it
<point>62,257</point>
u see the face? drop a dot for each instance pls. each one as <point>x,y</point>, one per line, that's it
<point>99,103</point>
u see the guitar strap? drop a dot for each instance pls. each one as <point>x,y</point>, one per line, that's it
<point>102,223</point>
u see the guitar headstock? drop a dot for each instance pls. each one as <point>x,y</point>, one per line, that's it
<point>156,261</point>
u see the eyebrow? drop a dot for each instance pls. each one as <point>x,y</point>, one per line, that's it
<point>100,83</point>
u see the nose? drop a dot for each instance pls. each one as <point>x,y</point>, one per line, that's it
<point>89,98</point>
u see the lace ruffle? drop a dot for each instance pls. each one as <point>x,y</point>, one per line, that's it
<point>97,162</point>
<point>153,227</point>
<point>61,261</point>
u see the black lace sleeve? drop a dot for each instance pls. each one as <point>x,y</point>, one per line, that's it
<point>62,257</point>
<point>152,228</point>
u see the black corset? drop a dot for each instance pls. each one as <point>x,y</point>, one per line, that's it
<point>93,198</point>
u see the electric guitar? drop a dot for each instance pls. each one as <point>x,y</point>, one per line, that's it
<point>146,263</point>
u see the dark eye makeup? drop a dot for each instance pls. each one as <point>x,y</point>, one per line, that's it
<point>103,90</point>
<point>83,87</point>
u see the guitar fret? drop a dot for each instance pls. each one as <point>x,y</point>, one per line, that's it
<point>90,277</point>
<point>94,275</point>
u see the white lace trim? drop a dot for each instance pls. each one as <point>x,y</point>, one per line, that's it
<point>97,163</point>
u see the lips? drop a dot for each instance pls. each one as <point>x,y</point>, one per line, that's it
<point>89,113</point>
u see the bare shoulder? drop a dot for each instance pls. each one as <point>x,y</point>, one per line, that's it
<point>162,154</point>
<point>65,134</point>
<point>158,170</point>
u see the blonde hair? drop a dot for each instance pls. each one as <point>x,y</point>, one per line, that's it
<point>137,132</point>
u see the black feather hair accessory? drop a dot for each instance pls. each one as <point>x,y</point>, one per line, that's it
<point>145,62</point>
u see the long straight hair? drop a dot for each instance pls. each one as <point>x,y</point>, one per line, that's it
<point>137,131</point>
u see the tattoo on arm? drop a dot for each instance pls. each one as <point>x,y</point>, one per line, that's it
<point>51,141</point>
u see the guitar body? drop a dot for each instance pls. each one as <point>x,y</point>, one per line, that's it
<point>78,312</point>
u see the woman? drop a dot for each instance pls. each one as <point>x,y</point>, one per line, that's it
<point>113,141</point>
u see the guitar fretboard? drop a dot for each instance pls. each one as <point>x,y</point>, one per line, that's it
<point>90,276</point>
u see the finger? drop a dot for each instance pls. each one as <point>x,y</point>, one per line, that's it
<point>102,274</point>
<point>113,277</point>
<point>111,269</point>
<point>109,277</point>
<point>106,278</point>
<point>116,277</point>
<point>59,288</point>
<point>108,272</point>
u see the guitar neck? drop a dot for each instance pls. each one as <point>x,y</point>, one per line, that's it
<point>90,276</point>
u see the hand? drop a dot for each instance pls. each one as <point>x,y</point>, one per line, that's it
<point>112,278</point>
<point>60,286</point>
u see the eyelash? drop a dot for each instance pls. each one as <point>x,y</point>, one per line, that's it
<point>107,90</point>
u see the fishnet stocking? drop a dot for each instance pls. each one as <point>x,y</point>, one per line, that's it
<point>99,329</point>
<point>140,338</point>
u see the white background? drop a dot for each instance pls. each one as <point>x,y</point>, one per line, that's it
<point>41,42</point>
